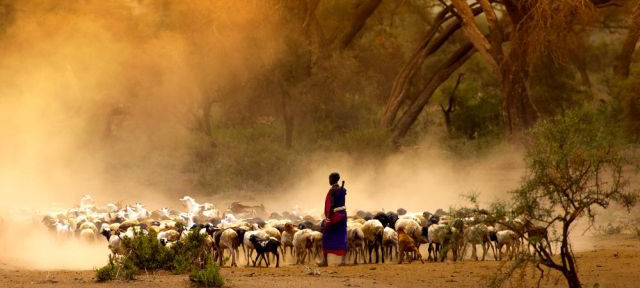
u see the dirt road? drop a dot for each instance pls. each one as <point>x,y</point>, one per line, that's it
<point>613,262</point>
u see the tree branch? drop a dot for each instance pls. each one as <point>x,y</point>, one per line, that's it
<point>473,33</point>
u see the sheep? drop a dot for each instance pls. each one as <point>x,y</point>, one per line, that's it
<point>192,206</point>
<point>264,247</point>
<point>261,236</point>
<point>88,235</point>
<point>436,236</point>
<point>474,235</point>
<point>406,245</point>
<point>452,239</point>
<point>537,235</point>
<point>303,242</point>
<point>372,230</point>
<point>317,243</point>
<point>286,238</point>
<point>272,231</point>
<point>114,240</point>
<point>170,235</point>
<point>227,240</point>
<point>509,239</point>
<point>389,241</point>
<point>355,241</point>
<point>88,225</point>
<point>62,230</point>
<point>383,218</point>
<point>412,228</point>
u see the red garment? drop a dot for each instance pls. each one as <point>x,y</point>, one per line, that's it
<point>328,214</point>
<point>334,238</point>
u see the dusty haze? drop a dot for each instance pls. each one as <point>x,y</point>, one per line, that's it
<point>95,101</point>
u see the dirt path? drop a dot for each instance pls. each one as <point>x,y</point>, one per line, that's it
<point>615,262</point>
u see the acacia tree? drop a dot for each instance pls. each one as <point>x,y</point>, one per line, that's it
<point>621,68</point>
<point>576,164</point>
<point>518,33</point>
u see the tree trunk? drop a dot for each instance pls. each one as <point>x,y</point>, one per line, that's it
<point>621,68</point>
<point>518,111</point>
<point>438,77</point>
<point>473,33</point>
<point>364,11</point>
<point>406,75</point>
<point>572,279</point>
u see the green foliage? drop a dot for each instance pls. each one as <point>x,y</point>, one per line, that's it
<point>207,277</point>
<point>106,273</point>
<point>145,252</point>
<point>477,102</point>
<point>192,252</point>
<point>626,105</point>
<point>122,269</point>
<point>574,162</point>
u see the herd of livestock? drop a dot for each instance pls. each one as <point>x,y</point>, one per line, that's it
<point>387,235</point>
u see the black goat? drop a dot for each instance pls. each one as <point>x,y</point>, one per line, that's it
<point>265,247</point>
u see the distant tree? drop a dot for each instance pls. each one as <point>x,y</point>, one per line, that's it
<point>623,63</point>
<point>575,164</point>
<point>519,32</point>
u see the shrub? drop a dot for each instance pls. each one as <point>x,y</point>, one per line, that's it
<point>106,273</point>
<point>207,277</point>
<point>144,251</point>
<point>123,269</point>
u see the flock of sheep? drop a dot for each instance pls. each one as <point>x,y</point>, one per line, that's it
<point>392,235</point>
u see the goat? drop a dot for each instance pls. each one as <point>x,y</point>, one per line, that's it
<point>372,230</point>
<point>406,245</point>
<point>264,247</point>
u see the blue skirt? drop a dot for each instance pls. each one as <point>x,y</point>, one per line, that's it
<point>334,236</point>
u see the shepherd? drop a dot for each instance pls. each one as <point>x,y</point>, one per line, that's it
<point>334,234</point>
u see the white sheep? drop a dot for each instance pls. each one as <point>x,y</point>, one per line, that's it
<point>88,235</point>
<point>372,230</point>
<point>355,241</point>
<point>228,241</point>
<point>317,243</point>
<point>192,206</point>
<point>303,243</point>
<point>507,238</point>
<point>476,235</point>
<point>389,241</point>
<point>287,238</point>
<point>436,235</point>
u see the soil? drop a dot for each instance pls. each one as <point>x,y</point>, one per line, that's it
<point>610,261</point>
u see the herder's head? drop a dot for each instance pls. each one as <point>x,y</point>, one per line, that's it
<point>334,178</point>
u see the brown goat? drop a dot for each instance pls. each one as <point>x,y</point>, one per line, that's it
<point>406,244</point>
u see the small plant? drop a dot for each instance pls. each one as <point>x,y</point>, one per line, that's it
<point>144,251</point>
<point>207,277</point>
<point>117,269</point>
<point>106,273</point>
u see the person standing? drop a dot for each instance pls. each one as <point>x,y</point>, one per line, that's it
<point>334,234</point>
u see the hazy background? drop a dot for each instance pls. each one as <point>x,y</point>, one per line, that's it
<point>147,101</point>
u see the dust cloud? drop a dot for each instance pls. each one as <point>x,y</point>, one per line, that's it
<point>426,178</point>
<point>97,97</point>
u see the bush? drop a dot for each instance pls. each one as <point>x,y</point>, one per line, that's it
<point>207,277</point>
<point>123,269</point>
<point>144,251</point>
<point>106,273</point>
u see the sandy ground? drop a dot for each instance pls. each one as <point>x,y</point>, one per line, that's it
<point>612,261</point>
